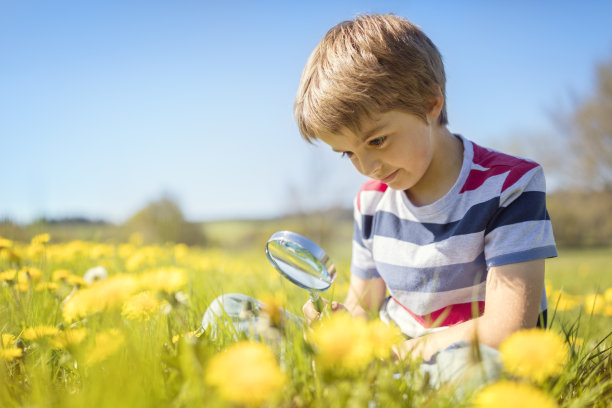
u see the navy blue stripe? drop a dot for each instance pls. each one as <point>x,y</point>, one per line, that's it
<point>371,273</point>
<point>529,206</point>
<point>548,251</point>
<point>485,216</point>
<point>434,279</point>
<point>387,224</point>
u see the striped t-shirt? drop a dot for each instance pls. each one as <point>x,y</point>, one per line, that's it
<point>434,258</point>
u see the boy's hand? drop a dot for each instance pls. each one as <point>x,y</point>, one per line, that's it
<point>311,314</point>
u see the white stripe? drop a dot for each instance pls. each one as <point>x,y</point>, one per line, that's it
<point>408,325</point>
<point>422,303</point>
<point>518,237</point>
<point>361,257</point>
<point>368,201</point>
<point>454,250</point>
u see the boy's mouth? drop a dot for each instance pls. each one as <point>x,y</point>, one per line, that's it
<point>390,177</point>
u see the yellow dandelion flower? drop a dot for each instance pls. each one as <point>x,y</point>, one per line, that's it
<point>141,306</point>
<point>563,301</point>
<point>342,342</point>
<point>125,250</point>
<point>507,394</point>
<point>27,275</point>
<point>102,295</point>
<point>180,251</point>
<point>245,373</point>
<point>10,354</point>
<point>5,243</point>
<point>594,304</point>
<point>383,337</point>
<point>37,332</point>
<point>534,353</point>
<point>168,280</point>
<point>608,295</point>
<point>8,254</point>
<point>41,239</point>
<point>50,286</point>
<point>8,340</point>
<point>106,344</point>
<point>76,280</point>
<point>60,274</point>
<point>608,311</point>
<point>68,338</point>
<point>9,275</point>
<point>273,306</point>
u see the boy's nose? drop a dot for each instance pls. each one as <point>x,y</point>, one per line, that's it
<point>369,165</point>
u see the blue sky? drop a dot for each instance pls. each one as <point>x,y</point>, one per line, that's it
<point>108,105</point>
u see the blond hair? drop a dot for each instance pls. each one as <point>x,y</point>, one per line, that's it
<point>370,65</point>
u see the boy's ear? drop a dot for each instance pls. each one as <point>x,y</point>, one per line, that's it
<point>436,105</point>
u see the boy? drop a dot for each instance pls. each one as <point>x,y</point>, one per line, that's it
<point>456,233</point>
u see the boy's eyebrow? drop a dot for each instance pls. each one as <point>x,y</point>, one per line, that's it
<point>372,131</point>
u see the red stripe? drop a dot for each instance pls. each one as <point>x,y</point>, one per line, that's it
<point>370,185</point>
<point>454,314</point>
<point>496,163</point>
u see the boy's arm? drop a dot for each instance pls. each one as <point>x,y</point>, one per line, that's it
<point>512,303</point>
<point>365,296</point>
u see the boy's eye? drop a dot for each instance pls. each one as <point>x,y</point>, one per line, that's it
<point>378,141</point>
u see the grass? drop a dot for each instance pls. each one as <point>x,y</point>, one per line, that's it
<point>161,360</point>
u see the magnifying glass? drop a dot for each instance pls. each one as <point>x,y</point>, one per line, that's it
<point>302,262</point>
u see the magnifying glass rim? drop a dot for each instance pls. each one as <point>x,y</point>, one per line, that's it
<point>308,245</point>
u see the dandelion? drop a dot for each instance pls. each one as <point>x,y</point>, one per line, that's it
<point>534,353</point>
<point>383,337</point>
<point>167,280</point>
<point>41,239</point>
<point>141,306</point>
<point>608,295</point>
<point>8,276</point>
<point>103,295</point>
<point>50,286</point>
<point>10,354</point>
<point>594,304</point>
<point>94,274</point>
<point>245,373</point>
<point>76,280</point>
<point>564,301</point>
<point>8,340</point>
<point>342,342</point>
<point>273,307</point>
<point>68,338</point>
<point>60,274</point>
<point>507,394</point>
<point>26,275</point>
<point>38,332</point>
<point>5,243</point>
<point>106,344</point>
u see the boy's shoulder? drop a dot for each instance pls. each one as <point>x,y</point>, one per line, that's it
<point>487,163</point>
<point>369,194</point>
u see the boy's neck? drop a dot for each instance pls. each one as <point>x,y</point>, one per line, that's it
<point>443,170</point>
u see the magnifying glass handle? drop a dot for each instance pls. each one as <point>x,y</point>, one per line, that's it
<point>316,301</point>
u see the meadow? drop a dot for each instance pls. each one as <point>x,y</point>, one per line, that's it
<point>128,333</point>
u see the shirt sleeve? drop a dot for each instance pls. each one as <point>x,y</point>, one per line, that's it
<point>362,263</point>
<point>520,230</point>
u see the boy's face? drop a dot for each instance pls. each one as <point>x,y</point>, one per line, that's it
<point>394,147</point>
